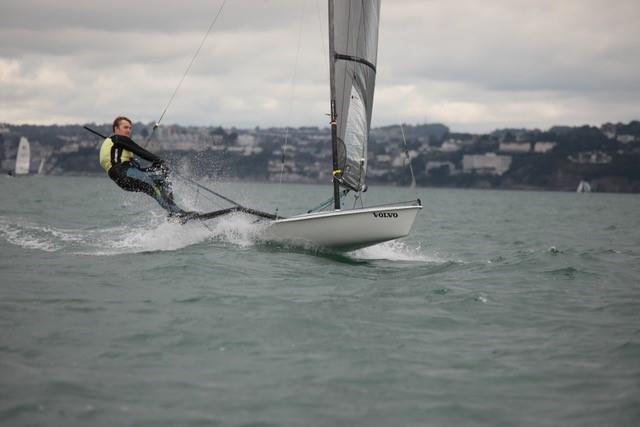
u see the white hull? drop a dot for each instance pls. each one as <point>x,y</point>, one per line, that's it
<point>344,229</point>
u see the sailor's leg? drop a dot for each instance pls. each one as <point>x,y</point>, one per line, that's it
<point>162,181</point>
<point>134,179</point>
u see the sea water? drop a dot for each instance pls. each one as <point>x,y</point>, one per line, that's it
<point>500,309</point>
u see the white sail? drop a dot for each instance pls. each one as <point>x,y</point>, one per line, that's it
<point>41,167</point>
<point>354,37</point>
<point>23,158</point>
<point>584,187</point>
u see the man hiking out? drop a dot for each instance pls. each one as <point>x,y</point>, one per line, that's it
<point>116,158</point>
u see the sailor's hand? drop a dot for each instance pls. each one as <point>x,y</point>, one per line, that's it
<point>159,165</point>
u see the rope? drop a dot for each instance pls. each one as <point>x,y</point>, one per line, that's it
<point>193,59</point>
<point>328,202</point>
<point>208,190</point>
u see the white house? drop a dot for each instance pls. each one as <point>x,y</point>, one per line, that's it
<point>451,145</point>
<point>515,147</point>
<point>437,165</point>
<point>246,139</point>
<point>625,139</point>
<point>591,157</point>
<point>543,147</point>
<point>486,164</point>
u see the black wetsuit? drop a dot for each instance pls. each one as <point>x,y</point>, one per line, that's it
<point>116,157</point>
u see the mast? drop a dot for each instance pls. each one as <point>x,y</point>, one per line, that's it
<point>334,117</point>
<point>353,47</point>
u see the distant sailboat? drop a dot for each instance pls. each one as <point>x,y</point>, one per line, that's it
<point>23,158</point>
<point>41,167</point>
<point>583,187</point>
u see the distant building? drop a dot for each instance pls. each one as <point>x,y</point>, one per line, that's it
<point>246,139</point>
<point>67,148</point>
<point>401,159</point>
<point>591,157</point>
<point>433,165</point>
<point>252,151</point>
<point>515,147</point>
<point>486,164</point>
<point>451,145</point>
<point>625,139</point>
<point>543,147</point>
<point>384,158</point>
<point>244,150</point>
<point>609,130</point>
<point>277,166</point>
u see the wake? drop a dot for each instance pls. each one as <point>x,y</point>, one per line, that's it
<point>157,234</point>
<point>154,235</point>
<point>396,250</point>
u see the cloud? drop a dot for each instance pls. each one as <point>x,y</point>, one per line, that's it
<point>472,65</point>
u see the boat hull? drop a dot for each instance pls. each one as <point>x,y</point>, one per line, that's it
<point>344,229</point>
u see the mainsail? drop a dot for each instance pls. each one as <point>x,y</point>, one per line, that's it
<point>23,158</point>
<point>353,40</point>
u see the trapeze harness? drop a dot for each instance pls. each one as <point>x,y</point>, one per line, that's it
<point>116,158</point>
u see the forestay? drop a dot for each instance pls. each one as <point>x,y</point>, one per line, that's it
<point>354,56</point>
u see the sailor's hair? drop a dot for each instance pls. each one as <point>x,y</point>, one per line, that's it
<point>119,119</point>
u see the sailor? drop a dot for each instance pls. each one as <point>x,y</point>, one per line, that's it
<point>116,158</point>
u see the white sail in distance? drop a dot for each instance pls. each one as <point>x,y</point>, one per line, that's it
<point>354,30</point>
<point>23,158</point>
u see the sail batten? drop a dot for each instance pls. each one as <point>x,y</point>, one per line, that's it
<point>353,36</point>
<point>356,59</point>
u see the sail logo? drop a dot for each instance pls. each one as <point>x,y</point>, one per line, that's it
<point>385,214</point>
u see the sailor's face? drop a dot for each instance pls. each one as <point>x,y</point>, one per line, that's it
<point>124,129</point>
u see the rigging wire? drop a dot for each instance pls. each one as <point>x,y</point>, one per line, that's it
<point>184,76</point>
<point>329,202</point>
<point>408,159</point>
<point>291,102</point>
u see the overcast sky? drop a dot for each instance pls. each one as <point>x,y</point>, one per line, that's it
<point>474,66</point>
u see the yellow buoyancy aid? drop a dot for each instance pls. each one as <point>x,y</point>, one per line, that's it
<point>111,154</point>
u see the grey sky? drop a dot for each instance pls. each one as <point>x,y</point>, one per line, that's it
<point>471,65</point>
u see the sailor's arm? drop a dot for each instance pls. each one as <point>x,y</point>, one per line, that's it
<point>128,144</point>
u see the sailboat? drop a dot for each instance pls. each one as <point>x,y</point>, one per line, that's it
<point>353,46</point>
<point>583,187</point>
<point>23,158</point>
<point>353,51</point>
<point>43,159</point>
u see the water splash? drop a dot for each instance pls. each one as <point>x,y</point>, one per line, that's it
<point>164,235</point>
<point>397,250</point>
<point>157,234</point>
<point>32,236</point>
<point>238,229</point>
